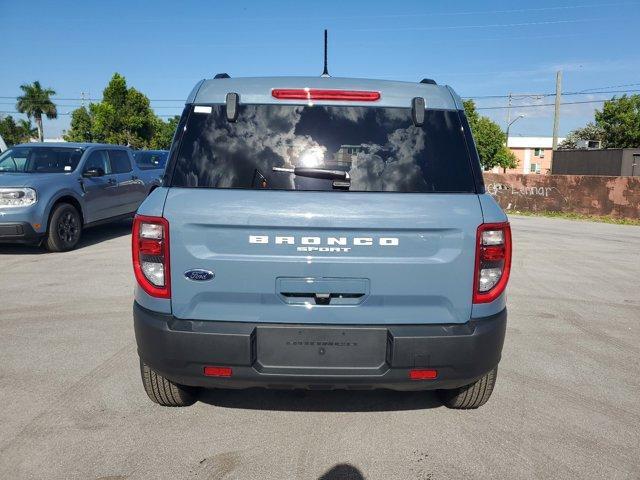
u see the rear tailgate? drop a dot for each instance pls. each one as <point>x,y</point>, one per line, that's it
<point>340,258</point>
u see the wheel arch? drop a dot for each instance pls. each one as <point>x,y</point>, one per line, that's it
<point>70,199</point>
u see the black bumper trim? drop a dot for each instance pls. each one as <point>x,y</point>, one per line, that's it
<point>179,349</point>
<point>18,232</point>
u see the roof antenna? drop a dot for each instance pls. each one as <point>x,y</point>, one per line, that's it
<point>325,72</point>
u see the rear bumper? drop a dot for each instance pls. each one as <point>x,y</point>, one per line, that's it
<point>180,349</point>
<point>18,232</point>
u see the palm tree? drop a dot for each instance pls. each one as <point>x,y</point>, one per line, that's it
<point>36,102</point>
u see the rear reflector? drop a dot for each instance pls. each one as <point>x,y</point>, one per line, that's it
<point>423,374</point>
<point>319,94</point>
<point>150,247</point>
<point>218,371</point>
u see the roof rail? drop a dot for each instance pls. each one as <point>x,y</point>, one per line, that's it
<point>222,75</point>
<point>428,81</point>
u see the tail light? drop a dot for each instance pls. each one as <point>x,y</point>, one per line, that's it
<point>150,248</point>
<point>322,94</point>
<point>493,261</point>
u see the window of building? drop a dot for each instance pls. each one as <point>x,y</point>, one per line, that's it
<point>534,168</point>
<point>538,152</point>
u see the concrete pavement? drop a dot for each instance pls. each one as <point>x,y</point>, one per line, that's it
<point>565,405</point>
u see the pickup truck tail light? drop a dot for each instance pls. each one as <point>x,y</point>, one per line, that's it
<point>150,249</point>
<point>493,261</point>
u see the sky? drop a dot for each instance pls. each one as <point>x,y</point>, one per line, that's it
<point>484,50</point>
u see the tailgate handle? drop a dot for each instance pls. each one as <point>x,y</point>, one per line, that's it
<point>325,298</point>
<point>322,290</point>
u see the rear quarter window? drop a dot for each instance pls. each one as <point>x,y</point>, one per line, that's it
<point>379,147</point>
<point>150,160</point>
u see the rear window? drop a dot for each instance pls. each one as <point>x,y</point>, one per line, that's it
<point>379,148</point>
<point>150,160</point>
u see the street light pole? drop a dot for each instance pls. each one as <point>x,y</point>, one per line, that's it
<point>507,134</point>
<point>509,126</point>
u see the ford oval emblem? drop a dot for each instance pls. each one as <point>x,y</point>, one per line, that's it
<point>199,275</point>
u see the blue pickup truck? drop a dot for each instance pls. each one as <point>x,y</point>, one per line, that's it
<point>50,192</point>
<point>321,233</point>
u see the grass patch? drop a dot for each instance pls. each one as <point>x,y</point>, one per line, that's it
<point>577,216</point>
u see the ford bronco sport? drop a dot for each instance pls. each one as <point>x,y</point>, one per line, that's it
<point>321,233</point>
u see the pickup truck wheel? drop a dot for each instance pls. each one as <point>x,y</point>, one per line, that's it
<point>65,228</point>
<point>164,392</point>
<point>470,396</point>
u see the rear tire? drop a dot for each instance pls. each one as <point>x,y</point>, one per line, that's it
<point>163,391</point>
<point>470,396</point>
<point>65,228</point>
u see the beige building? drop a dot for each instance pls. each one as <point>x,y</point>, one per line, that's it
<point>533,153</point>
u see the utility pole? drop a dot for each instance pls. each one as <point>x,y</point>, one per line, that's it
<point>556,114</point>
<point>509,110</point>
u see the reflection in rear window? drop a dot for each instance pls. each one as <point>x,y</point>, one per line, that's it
<point>380,148</point>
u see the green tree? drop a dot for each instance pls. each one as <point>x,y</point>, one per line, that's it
<point>590,131</point>
<point>81,126</point>
<point>471,112</point>
<point>35,102</point>
<point>489,137</point>
<point>124,116</point>
<point>16,132</point>
<point>505,158</point>
<point>163,133</point>
<point>620,122</point>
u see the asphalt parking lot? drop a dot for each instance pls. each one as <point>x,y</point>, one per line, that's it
<point>565,405</point>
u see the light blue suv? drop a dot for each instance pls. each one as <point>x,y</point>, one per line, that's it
<point>321,233</point>
<point>50,192</point>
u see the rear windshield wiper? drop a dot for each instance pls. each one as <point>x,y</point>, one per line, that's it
<point>315,173</point>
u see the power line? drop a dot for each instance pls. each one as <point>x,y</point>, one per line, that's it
<point>516,10</point>
<point>88,99</point>
<point>361,15</point>
<point>13,112</point>
<point>476,97</point>
<point>592,91</point>
<point>540,95</point>
<point>478,108</point>
<point>66,105</point>
<point>486,25</point>
<point>611,86</point>
<point>542,105</point>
